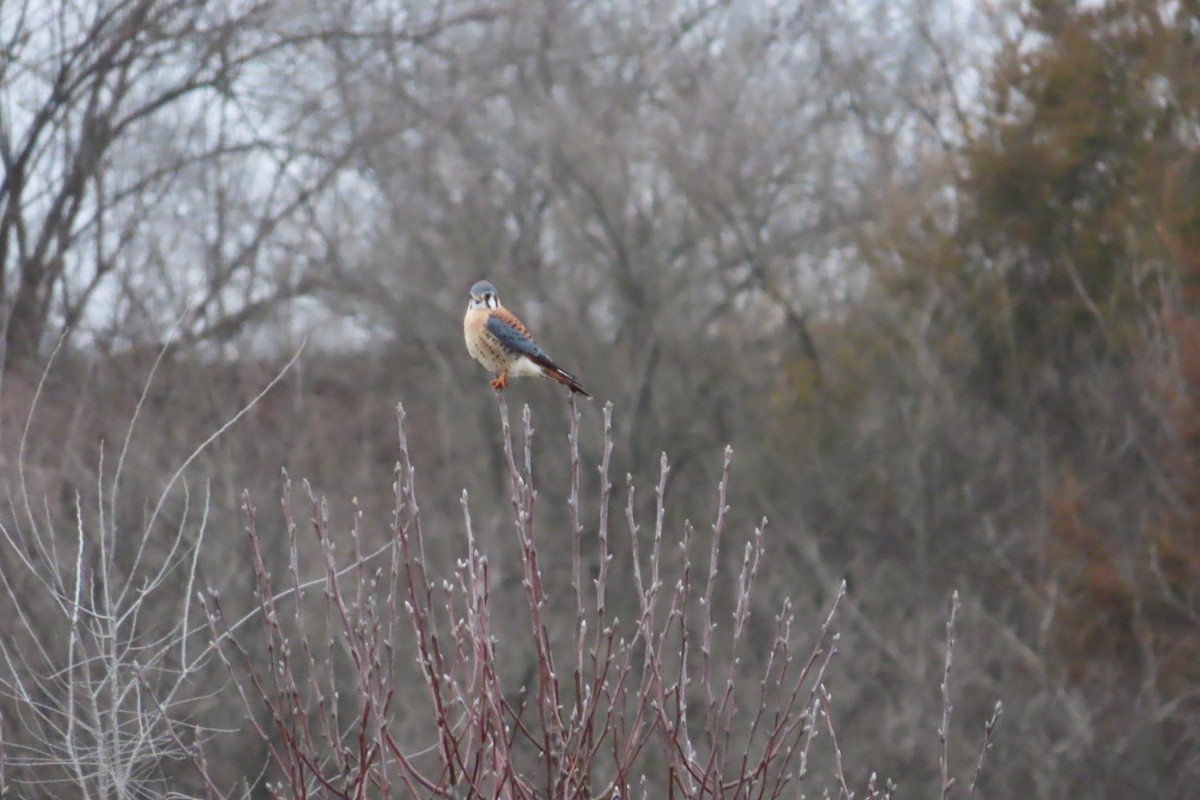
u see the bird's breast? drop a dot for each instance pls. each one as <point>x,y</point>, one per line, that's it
<point>482,345</point>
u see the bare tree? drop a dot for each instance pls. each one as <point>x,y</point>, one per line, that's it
<point>164,159</point>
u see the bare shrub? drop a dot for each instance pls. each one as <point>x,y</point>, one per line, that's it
<point>607,706</point>
<point>640,664</point>
<point>100,663</point>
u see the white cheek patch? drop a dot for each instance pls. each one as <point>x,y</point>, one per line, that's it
<point>523,366</point>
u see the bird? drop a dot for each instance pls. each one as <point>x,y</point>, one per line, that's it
<point>498,340</point>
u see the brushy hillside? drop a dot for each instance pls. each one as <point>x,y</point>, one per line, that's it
<point>559,655</point>
<point>931,268</point>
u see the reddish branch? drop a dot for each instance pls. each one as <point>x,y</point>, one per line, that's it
<point>618,724</point>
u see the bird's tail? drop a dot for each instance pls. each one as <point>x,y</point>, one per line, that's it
<point>555,373</point>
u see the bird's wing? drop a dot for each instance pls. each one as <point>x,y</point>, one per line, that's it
<point>512,334</point>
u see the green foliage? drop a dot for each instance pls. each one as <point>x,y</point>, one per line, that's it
<point>1063,186</point>
<point>1027,361</point>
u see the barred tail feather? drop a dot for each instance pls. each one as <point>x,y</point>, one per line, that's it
<point>555,373</point>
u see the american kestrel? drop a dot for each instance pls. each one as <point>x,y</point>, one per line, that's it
<point>498,340</point>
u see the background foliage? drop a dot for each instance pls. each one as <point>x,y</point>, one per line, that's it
<point>933,270</point>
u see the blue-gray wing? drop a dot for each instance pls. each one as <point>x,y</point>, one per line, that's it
<point>515,338</point>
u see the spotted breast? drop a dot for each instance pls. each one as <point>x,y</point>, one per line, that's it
<point>482,345</point>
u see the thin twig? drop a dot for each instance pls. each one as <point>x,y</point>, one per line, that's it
<point>944,730</point>
<point>988,728</point>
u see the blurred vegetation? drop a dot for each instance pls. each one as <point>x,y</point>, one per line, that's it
<point>933,272</point>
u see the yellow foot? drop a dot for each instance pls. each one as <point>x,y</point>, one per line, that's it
<point>500,382</point>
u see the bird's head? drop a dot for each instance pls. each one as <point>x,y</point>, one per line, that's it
<point>483,295</point>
